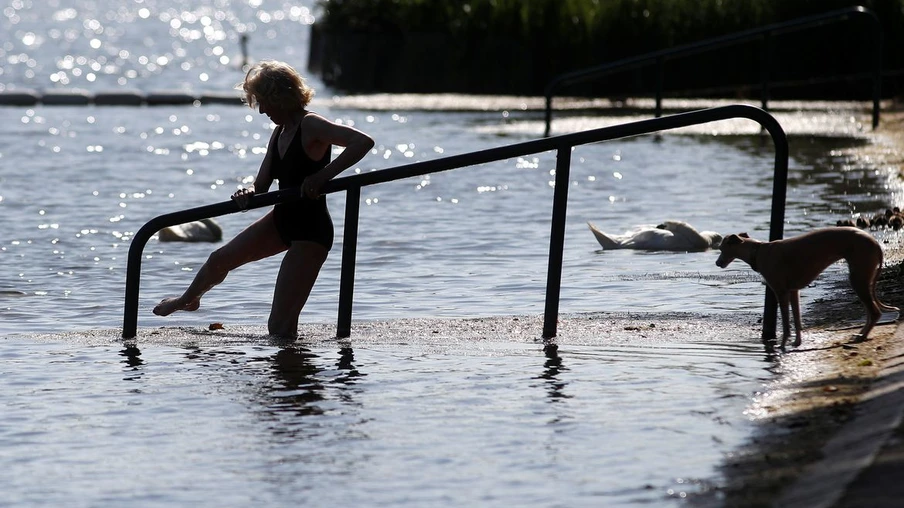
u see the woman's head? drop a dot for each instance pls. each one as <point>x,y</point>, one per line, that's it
<point>276,84</point>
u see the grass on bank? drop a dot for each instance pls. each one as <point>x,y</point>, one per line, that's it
<point>519,46</point>
<point>612,28</point>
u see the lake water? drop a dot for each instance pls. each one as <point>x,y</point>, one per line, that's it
<point>424,405</point>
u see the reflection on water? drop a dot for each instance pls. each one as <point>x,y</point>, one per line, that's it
<point>295,387</point>
<point>626,417</point>
<point>132,361</point>
<point>296,384</point>
<point>552,369</point>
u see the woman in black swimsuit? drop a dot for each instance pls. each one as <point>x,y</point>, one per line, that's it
<point>298,155</point>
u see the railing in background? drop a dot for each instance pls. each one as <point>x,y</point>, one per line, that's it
<point>563,146</point>
<point>659,57</point>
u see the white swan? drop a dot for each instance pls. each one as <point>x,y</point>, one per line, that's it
<point>671,235</point>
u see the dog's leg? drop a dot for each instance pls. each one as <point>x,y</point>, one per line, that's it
<point>863,281</point>
<point>786,322</point>
<point>883,307</point>
<point>794,297</point>
<point>868,327</point>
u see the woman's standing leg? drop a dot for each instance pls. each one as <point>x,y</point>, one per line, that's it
<point>257,241</point>
<point>297,275</point>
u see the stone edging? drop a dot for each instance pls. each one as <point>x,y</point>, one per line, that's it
<point>116,98</point>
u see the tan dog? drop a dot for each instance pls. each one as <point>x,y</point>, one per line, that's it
<point>789,265</point>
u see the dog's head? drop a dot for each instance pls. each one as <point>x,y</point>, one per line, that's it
<point>729,249</point>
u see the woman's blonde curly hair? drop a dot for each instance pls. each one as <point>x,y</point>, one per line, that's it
<point>277,83</point>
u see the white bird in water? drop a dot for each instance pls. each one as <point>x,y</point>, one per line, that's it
<point>671,235</point>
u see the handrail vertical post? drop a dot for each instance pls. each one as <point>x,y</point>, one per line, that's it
<point>548,114</point>
<point>349,252</point>
<point>660,77</point>
<point>770,308</point>
<point>877,72</point>
<point>776,220</point>
<point>557,241</point>
<point>765,70</point>
<point>133,280</point>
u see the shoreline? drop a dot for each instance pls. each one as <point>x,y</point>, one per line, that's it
<point>816,439</point>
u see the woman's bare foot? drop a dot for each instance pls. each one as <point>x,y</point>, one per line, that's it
<point>169,305</point>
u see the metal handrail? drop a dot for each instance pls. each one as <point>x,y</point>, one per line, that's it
<point>659,58</point>
<point>562,144</point>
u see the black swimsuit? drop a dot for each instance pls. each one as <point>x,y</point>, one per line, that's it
<point>306,220</point>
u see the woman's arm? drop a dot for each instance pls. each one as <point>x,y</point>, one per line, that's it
<point>317,135</point>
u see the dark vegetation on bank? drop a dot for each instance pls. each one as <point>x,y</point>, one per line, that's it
<point>517,46</point>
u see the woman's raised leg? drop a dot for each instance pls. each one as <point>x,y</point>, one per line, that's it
<point>257,241</point>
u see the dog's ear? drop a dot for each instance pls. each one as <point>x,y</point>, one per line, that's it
<point>744,235</point>
<point>731,240</point>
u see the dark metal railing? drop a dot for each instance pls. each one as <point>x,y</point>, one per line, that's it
<point>659,57</point>
<point>561,144</point>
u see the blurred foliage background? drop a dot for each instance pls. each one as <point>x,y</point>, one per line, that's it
<point>518,46</point>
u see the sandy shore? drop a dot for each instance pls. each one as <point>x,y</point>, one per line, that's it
<point>823,389</point>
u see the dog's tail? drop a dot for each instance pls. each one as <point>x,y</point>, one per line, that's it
<point>605,241</point>
<point>883,306</point>
<point>888,308</point>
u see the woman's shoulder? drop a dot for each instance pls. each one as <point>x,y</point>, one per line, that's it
<point>313,116</point>
<point>314,124</point>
